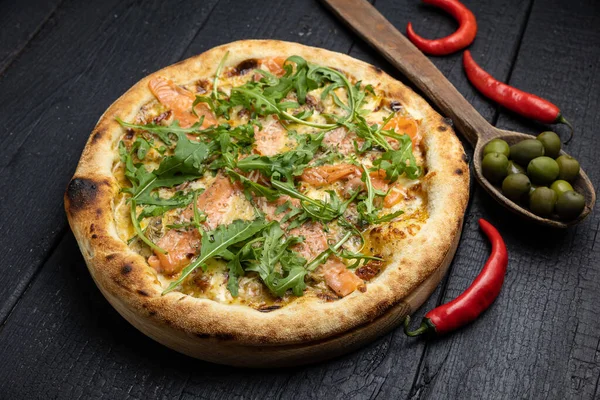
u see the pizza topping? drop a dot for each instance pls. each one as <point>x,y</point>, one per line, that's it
<point>268,184</point>
<point>180,101</point>
<point>181,246</point>
<point>270,140</point>
<point>327,174</point>
<point>341,280</point>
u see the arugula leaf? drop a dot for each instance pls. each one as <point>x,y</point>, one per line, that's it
<point>357,257</point>
<point>184,165</point>
<point>278,284</point>
<point>138,230</point>
<point>324,255</point>
<point>366,208</point>
<point>163,131</point>
<point>254,187</point>
<point>318,210</point>
<point>274,248</point>
<point>158,206</point>
<point>397,162</point>
<point>285,165</point>
<point>216,243</point>
<point>266,96</point>
<point>142,146</point>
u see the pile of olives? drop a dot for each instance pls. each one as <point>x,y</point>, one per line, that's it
<point>533,173</point>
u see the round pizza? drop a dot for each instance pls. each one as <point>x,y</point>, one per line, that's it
<point>265,194</point>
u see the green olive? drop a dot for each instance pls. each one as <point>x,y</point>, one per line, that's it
<point>570,204</point>
<point>514,168</point>
<point>561,187</point>
<point>526,150</point>
<point>568,168</point>
<point>542,170</point>
<point>542,200</point>
<point>494,167</point>
<point>497,146</point>
<point>533,187</point>
<point>515,186</point>
<point>551,143</point>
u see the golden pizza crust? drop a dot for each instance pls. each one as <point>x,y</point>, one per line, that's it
<point>184,322</point>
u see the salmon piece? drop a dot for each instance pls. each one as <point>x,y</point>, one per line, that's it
<point>342,140</point>
<point>401,125</point>
<point>315,241</point>
<point>341,280</point>
<point>181,246</point>
<point>274,65</point>
<point>271,140</point>
<point>395,196</point>
<point>180,101</point>
<point>378,181</point>
<point>215,201</point>
<point>327,174</point>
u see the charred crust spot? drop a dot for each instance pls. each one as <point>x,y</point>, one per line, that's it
<point>81,192</point>
<point>465,158</point>
<point>129,135</point>
<point>245,66</point>
<point>98,212</point>
<point>266,309</point>
<point>376,69</point>
<point>143,293</point>
<point>459,171</point>
<point>395,105</point>
<point>94,236</point>
<point>162,116</point>
<point>442,128</point>
<point>92,228</point>
<point>369,270</point>
<point>202,86</point>
<point>110,257</point>
<point>126,269</point>
<point>97,136</point>
<point>152,313</point>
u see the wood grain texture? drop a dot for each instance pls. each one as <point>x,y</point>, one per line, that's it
<point>541,339</point>
<point>21,20</point>
<point>63,340</point>
<point>52,96</point>
<point>375,29</point>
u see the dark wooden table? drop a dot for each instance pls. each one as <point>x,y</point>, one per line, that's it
<point>63,62</point>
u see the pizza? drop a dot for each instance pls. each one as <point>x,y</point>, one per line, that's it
<point>265,193</point>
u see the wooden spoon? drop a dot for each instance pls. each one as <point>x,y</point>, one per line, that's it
<point>365,20</point>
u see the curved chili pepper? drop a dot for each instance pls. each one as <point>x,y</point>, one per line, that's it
<point>476,299</point>
<point>523,103</point>
<point>464,35</point>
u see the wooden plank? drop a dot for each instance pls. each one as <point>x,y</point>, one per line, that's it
<point>72,344</point>
<point>541,338</point>
<point>21,21</point>
<point>51,98</point>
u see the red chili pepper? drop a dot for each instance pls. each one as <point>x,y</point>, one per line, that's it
<point>476,299</point>
<point>523,103</point>
<point>464,35</point>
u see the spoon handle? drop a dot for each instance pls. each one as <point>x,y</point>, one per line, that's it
<point>365,20</point>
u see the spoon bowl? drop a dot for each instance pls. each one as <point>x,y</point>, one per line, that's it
<point>365,20</point>
<point>581,184</point>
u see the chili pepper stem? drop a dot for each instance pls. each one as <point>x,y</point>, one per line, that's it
<point>562,120</point>
<point>419,331</point>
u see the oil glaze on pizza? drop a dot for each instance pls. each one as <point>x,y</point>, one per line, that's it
<point>265,193</point>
